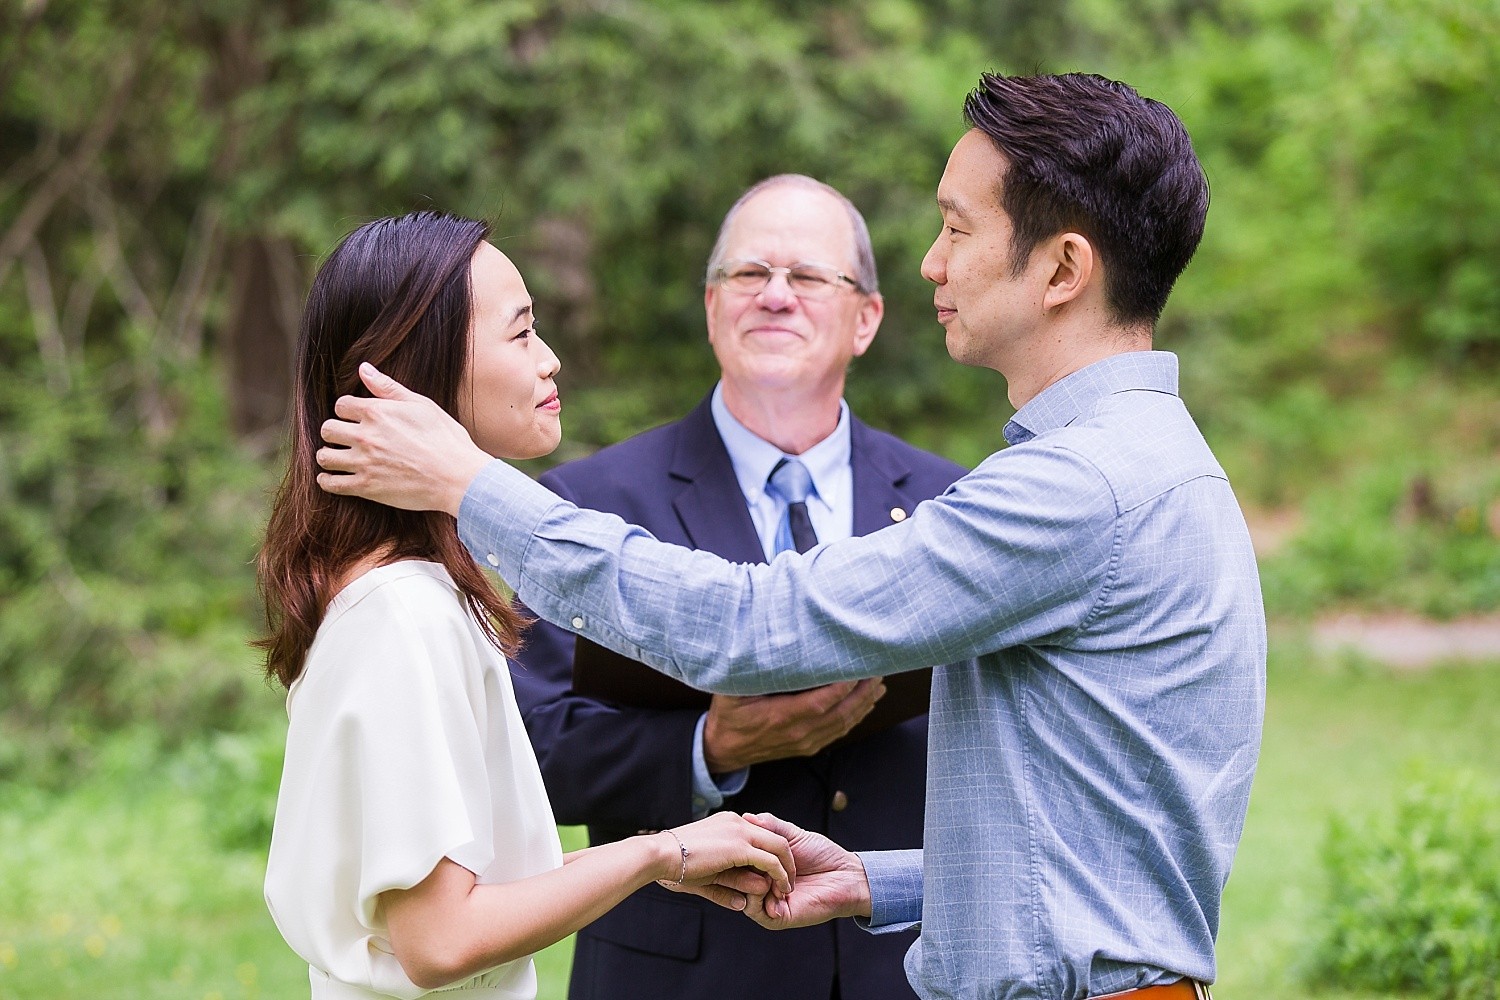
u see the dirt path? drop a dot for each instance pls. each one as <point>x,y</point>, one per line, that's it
<point>1409,642</point>
<point>1396,638</point>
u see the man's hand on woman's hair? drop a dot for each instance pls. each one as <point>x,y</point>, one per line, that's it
<point>398,448</point>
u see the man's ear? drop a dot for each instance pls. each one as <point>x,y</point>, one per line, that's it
<point>710,292</point>
<point>871,310</point>
<point>1073,263</point>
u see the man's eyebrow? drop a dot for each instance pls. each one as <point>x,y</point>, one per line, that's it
<point>951,207</point>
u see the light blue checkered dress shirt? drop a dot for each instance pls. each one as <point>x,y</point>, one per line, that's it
<point>1094,734</point>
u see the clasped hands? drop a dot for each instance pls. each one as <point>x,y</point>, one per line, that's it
<point>828,882</point>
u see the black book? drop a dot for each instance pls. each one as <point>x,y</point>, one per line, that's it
<point>604,675</point>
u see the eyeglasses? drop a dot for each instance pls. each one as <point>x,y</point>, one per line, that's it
<point>807,281</point>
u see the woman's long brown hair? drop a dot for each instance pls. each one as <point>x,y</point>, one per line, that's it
<point>396,293</point>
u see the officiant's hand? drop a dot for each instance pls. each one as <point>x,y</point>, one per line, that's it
<point>740,732</point>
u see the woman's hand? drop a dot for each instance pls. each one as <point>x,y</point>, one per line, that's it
<point>726,844</point>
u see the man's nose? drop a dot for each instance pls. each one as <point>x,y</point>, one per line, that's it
<point>934,266</point>
<point>778,294</point>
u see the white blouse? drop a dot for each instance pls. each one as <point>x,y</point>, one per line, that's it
<point>405,746</point>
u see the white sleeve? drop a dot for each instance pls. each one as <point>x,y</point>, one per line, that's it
<point>385,775</point>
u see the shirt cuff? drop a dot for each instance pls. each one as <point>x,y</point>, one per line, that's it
<point>499,514</point>
<point>709,792</point>
<point>895,879</point>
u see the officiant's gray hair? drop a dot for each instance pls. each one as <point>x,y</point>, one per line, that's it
<point>864,255</point>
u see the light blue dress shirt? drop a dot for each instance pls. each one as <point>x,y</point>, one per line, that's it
<point>830,507</point>
<point>831,504</point>
<point>1093,737</point>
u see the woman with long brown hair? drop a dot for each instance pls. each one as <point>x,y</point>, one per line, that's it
<point>414,848</point>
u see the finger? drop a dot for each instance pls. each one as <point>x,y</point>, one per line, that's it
<point>829,695</point>
<point>727,898</point>
<point>860,702</point>
<point>381,384</point>
<point>866,693</point>
<point>338,432</point>
<point>755,909</point>
<point>355,409</point>
<point>744,880</point>
<point>773,855</point>
<point>781,847</point>
<point>336,459</point>
<point>338,483</point>
<point>775,824</point>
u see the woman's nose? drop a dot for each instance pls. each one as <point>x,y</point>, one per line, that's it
<point>547,364</point>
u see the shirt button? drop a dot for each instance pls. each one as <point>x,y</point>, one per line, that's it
<point>898,515</point>
<point>840,802</point>
<point>577,621</point>
<point>492,559</point>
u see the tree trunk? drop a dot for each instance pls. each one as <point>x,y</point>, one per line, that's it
<point>260,336</point>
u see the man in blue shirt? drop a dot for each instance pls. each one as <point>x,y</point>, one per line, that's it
<point>791,298</point>
<point>1092,587</point>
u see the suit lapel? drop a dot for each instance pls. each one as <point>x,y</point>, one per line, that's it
<point>709,503</point>
<point>879,477</point>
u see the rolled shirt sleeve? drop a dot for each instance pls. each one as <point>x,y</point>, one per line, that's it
<point>895,879</point>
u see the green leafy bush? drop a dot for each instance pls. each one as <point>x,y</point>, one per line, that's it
<point>1414,899</point>
<point>239,773</point>
<point>127,589</point>
<point>1391,537</point>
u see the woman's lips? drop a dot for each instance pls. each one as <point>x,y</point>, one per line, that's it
<point>552,403</point>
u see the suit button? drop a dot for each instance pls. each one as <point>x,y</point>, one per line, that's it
<point>840,802</point>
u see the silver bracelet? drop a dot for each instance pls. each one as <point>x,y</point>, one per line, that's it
<point>682,875</point>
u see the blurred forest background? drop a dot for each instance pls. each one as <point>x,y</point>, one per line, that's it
<point>171,174</point>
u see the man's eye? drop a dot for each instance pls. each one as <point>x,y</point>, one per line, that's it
<point>811,278</point>
<point>747,273</point>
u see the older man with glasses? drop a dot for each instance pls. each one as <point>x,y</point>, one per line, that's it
<point>771,460</point>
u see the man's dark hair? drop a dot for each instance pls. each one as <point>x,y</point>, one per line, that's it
<point>1093,156</point>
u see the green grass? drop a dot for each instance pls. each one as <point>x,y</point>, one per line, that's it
<point>119,887</point>
<point>1341,739</point>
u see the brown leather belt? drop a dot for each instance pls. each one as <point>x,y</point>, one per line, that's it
<point>1183,989</point>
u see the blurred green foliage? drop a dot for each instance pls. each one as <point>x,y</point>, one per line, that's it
<point>1414,900</point>
<point>170,175</point>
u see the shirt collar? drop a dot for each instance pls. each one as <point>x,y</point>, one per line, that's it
<point>1064,401</point>
<point>753,457</point>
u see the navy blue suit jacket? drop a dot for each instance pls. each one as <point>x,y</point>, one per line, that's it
<point>622,770</point>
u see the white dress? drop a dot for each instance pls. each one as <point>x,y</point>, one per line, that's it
<point>405,746</point>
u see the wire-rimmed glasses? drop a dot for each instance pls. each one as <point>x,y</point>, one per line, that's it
<point>806,280</point>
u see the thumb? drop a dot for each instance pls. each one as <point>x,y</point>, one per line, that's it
<point>382,385</point>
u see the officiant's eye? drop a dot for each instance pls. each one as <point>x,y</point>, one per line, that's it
<point>806,280</point>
